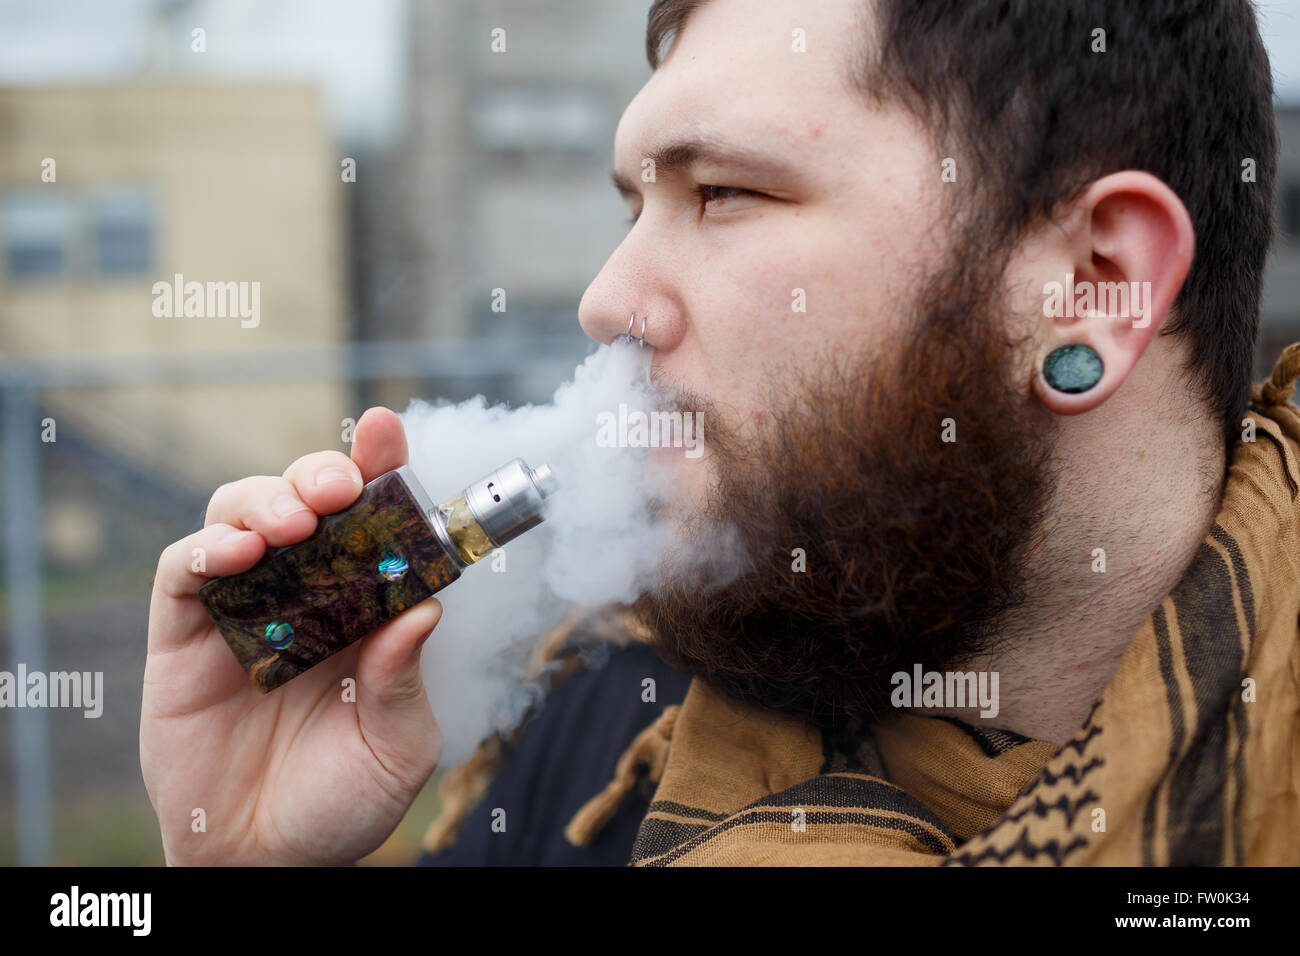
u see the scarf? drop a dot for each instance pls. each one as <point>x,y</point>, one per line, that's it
<point>1191,756</point>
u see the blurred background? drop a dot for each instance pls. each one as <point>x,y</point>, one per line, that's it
<point>391,183</point>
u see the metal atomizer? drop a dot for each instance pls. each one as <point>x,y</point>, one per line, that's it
<point>364,566</point>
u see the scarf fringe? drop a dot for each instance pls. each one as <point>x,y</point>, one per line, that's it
<point>1281,385</point>
<point>649,749</point>
<point>460,791</point>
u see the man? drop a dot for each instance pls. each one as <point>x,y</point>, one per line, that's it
<point>967,293</point>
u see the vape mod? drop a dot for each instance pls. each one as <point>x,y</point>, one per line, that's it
<point>364,566</point>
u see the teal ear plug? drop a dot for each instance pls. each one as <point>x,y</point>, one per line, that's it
<point>1072,368</point>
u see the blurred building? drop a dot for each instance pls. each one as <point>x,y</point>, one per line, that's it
<point>139,407</point>
<point>145,181</point>
<point>501,180</point>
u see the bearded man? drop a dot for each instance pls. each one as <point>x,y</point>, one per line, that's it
<point>967,294</point>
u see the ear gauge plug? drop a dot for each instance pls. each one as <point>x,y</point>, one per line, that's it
<point>1072,368</point>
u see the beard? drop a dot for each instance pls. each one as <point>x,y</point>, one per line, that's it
<point>913,548</point>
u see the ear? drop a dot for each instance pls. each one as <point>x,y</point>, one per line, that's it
<point>1127,247</point>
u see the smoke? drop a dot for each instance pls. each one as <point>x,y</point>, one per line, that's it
<point>601,540</point>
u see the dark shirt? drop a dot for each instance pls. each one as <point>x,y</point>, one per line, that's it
<point>564,757</point>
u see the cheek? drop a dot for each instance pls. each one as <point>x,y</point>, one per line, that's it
<point>741,299</point>
<point>790,293</point>
<point>783,292</point>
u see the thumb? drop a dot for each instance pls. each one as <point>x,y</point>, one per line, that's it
<point>392,706</point>
<point>378,443</point>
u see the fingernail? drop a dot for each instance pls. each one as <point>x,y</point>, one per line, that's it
<point>330,475</point>
<point>235,537</point>
<point>286,505</point>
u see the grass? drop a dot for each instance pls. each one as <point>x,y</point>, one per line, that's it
<point>117,831</point>
<point>76,589</point>
<point>122,831</point>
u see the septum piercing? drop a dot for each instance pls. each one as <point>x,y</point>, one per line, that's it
<point>628,334</point>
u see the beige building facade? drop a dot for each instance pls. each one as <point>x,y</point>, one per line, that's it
<point>107,195</point>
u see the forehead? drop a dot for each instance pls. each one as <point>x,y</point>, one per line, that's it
<point>750,68</point>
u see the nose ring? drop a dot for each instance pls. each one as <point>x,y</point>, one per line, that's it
<point>628,334</point>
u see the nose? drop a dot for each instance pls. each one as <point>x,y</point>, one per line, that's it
<point>632,283</point>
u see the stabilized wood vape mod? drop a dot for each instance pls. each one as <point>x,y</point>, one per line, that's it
<point>366,565</point>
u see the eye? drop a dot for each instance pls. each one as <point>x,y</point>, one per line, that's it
<point>709,193</point>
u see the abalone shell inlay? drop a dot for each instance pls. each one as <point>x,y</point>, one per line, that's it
<point>278,635</point>
<point>393,566</point>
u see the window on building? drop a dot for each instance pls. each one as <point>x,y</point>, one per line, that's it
<point>37,230</point>
<point>104,232</point>
<point>121,224</point>
<point>522,120</point>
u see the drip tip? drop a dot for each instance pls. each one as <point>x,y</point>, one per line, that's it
<point>544,478</point>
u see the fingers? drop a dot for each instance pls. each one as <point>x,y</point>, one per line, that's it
<point>378,443</point>
<point>389,665</point>
<point>393,708</point>
<point>284,510</point>
<point>327,481</point>
<point>214,552</point>
<point>270,506</point>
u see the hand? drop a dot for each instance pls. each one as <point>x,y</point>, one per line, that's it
<point>297,776</point>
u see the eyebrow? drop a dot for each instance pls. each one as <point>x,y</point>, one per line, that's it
<point>682,154</point>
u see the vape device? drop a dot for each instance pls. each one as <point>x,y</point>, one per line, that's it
<point>364,566</point>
